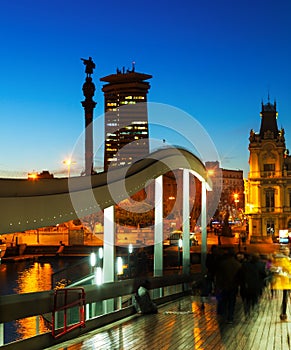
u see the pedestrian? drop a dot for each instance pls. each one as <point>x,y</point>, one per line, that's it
<point>270,274</point>
<point>262,269</point>
<point>227,283</point>
<point>204,286</point>
<point>281,270</point>
<point>144,303</point>
<point>249,279</point>
<point>211,263</point>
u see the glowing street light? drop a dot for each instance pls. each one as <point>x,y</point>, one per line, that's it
<point>32,176</point>
<point>235,196</point>
<point>69,162</point>
<point>236,199</point>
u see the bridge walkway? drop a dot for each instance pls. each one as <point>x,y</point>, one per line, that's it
<point>183,325</point>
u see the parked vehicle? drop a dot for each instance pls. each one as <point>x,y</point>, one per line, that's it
<point>2,248</point>
<point>176,235</point>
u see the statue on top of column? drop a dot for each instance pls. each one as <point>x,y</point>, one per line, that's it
<point>90,65</point>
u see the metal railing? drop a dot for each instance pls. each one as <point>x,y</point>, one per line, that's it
<point>104,305</point>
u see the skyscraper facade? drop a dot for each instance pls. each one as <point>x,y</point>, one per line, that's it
<point>126,117</point>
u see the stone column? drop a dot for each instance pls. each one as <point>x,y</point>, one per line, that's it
<point>89,105</point>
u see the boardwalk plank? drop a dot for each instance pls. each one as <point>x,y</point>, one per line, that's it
<point>182,325</point>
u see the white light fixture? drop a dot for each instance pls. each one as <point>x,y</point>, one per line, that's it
<point>119,266</point>
<point>98,276</point>
<point>92,259</point>
<point>100,253</point>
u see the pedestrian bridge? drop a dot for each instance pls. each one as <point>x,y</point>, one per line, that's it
<point>32,204</point>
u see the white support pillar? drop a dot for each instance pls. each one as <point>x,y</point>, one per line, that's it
<point>203,227</point>
<point>186,221</point>
<point>108,245</point>
<point>1,334</point>
<point>109,252</point>
<point>158,230</point>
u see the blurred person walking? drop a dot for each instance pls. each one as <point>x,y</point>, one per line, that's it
<point>227,283</point>
<point>250,284</point>
<point>281,270</point>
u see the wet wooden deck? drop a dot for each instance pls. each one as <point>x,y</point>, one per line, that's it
<point>182,325</point>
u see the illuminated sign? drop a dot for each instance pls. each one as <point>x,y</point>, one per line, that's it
<point>283,236</point>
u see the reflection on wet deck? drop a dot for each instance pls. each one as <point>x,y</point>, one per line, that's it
<point>182,325</point>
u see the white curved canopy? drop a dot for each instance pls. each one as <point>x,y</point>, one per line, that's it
<point>32,204</point>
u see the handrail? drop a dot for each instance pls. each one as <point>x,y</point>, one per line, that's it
<point>16,306</point>
<point>13,307</point>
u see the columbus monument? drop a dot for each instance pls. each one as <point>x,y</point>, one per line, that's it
<point>89,105</point>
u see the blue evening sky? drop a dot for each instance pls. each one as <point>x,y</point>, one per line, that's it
<point>214,59</point>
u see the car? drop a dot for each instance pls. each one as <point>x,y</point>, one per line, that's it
<point>177,234</point>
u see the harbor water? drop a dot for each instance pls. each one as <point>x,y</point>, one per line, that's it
<point>26,277</point>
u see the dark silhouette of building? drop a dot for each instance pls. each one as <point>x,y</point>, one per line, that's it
<point>126,117</point>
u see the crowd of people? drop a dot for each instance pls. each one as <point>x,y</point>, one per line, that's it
<point>231,274</point>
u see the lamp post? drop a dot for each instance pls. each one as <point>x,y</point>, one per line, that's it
<point>236,200</point>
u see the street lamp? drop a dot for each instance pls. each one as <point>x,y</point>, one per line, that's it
<point>236,200</point>
<point>69,162</point>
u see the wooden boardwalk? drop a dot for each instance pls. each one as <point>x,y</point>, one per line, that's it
<point>182,325</point>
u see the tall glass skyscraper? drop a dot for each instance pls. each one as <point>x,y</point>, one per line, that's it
<point>126,117</point>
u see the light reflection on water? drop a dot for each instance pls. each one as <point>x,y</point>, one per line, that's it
<point>26,327</point>
<point>27,277</point>
<point>34,279</point>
